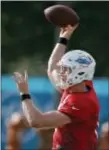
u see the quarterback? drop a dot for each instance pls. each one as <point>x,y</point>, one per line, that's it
<point>76,118</point>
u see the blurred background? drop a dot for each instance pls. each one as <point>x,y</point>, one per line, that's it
<point>27,40</point>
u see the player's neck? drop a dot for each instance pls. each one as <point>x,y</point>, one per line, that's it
<point>79,88</point>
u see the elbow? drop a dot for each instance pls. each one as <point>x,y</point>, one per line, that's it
<point>32,123</point>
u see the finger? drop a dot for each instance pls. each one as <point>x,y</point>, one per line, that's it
<point>26,75</point>
<point>69,27</point>
<point>18,74</point>
<point>64,29</point>
<point>16,80</point>
<point>19,78</point>
<point>72,28</point>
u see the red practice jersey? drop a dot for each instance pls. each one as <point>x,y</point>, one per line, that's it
<point>80,134</point>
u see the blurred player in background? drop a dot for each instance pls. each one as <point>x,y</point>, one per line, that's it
<point>104,139</point>
<point>76,119</point>
<point>16,128</point>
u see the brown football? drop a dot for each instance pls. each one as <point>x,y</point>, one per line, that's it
<point>61,15</point>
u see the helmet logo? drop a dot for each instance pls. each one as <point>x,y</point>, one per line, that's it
<point>85,61</point>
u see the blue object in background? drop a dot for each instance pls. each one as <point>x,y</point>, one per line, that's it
<point>44,96</point>
<point>102,89</point>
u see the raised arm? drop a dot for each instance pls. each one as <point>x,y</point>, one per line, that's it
<point>58,52</point>
<point>35,117</point>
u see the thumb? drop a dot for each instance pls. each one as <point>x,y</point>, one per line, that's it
<point>25,75</point>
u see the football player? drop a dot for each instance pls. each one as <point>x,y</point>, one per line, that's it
<point>76,119</point>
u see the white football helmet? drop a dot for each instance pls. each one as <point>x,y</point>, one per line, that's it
<point>80,67</point>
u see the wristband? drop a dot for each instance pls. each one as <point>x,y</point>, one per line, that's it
<point>25,97</point>
<point>63,41</point>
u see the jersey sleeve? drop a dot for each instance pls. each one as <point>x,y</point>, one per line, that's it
<point>75,109</point>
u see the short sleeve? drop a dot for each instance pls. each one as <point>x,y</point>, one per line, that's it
<point>75,109</point>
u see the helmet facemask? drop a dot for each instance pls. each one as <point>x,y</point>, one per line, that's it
<point>69,77</point>
<point>65,74</point>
